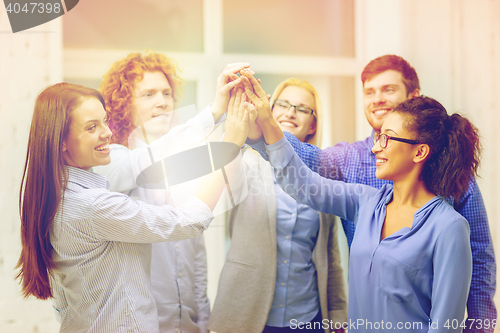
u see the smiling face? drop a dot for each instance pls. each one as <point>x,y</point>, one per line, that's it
<point>397,160</point>
<point>152,103</point>
<point>382,94</point>
<point>299,124</point>
<point>87,142</point>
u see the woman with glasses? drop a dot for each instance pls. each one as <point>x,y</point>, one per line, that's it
<point>410,262</point>
<point>282,270</point>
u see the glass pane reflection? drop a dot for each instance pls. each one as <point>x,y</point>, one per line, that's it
<point>291,27</point>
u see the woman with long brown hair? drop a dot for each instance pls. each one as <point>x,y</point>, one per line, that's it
<point>88,248</point>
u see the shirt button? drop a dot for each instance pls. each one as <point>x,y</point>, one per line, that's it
<point>287,237</point>
<point>177,245</point>
<point>293,214</point>
<point>180,274</point>
<point>285,261</point>
<point>177,330</point>
<point>282,283</point>
<point>281,305</point>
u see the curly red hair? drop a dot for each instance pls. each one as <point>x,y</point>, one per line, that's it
<point>118,84</point>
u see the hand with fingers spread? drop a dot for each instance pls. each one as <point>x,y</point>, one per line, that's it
<point>271,130</point>
<point>237,122</point>
<point>254,131</point>
<point>226,81</point>
<point>257,96</point>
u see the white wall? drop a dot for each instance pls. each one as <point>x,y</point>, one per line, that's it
<point>28,62</point>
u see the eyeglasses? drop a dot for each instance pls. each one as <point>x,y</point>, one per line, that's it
<point>281,104</point>
<point>384,138</point>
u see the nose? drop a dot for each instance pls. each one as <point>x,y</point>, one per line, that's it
<point>161,100</point>
<point>378,98</point>
<point>106,133</point>
<point>291,112</point>
<point>376,147</point>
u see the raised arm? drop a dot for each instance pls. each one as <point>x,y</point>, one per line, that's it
<point>270,129</point>
<point>226,81</point>
<point>126,164</point>
<point>309,188</point>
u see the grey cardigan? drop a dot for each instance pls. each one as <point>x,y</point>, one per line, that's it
<point>246,285</point>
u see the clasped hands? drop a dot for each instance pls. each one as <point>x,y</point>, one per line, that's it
<point>248,109</point>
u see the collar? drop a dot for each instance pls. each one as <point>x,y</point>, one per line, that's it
<point>86,179</point>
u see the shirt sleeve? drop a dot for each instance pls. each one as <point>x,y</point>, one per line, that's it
<point>329,162</point>
<point>200,284</point>
<point>126,164</point>
<point>337,298</point>
<point>116,217</point>
<point>452,263</point>
<point>480,305</point>
<point>309,188</point>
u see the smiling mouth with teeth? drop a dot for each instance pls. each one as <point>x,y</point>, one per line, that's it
<point>287,123</point>
<point>101,148</point>
<point>381,112</point>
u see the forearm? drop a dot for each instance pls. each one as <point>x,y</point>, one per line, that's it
<point>309,188</point>
<point>254,133</point>
<point>271,131</point>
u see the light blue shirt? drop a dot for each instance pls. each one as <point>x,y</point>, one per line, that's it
<point>355,163</point>
<point>296,290</point>
<point>417,279</point>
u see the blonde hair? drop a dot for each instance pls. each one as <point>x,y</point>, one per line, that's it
<point>314,139</point>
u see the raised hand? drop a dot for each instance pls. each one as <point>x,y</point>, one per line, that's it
<point>257,95</point>
<point>226,81</point>
<point>272,132</point>
<point>254,131</point>
<point>237,122</point>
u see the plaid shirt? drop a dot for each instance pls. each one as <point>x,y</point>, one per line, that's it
<point>355,163</point>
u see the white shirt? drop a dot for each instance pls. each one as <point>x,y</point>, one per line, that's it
<point>178,269</point>
<point>102,254</point>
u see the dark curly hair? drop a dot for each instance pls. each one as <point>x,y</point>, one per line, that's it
<point>454,144</point>
<point>118,84</point>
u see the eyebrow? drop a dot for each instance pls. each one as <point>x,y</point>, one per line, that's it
<point>93,121</point>
<point>154,89</point>
<point>390,130</point>
<point>385,86</point>
<point>301,104</point>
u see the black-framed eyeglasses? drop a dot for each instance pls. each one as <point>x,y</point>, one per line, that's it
<point>383,139</point>
<point>281,104</point>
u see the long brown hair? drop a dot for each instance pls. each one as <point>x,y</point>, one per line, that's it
<point>43,182</point>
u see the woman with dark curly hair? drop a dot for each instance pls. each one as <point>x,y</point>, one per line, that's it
<point>410,263</point>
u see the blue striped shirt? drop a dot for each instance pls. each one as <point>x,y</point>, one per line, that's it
<point>102,252</point>
<point>355,163</point>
